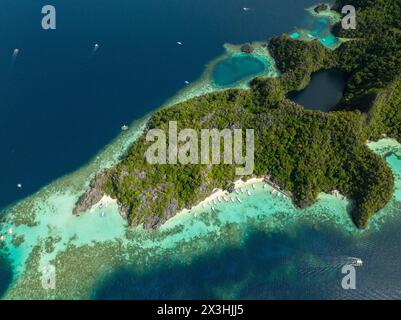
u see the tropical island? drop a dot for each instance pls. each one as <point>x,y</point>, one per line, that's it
<point>304,152</point>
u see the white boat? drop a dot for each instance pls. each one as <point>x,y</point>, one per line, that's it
<point>102,214</point>
<point>124,127</point>
<point>264,186</point>
<point>219,199</point>
<point>179,43</point>
<point>232,199</point>
<point>15,52</point>
<point>249,193</point>
<point>19,185</point>
<point>236,191</point>
<point>213,209</point>
<point>186,82</point>
<point>195,214</point>
<point>1,238</point>
<point>242,190</point>
<point>246,9</point>
<point>253,186</point>
<point>239,200</point>
<point>10,231</point>
<point>358,262</point>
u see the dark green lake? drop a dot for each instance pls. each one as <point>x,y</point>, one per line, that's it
<point>323,92</point>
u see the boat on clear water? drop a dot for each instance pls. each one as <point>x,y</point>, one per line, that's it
<point>242,190</point>
<point>19,185</point>
<point>239,200</point>
<point>179,43</point>
<point>249,193</point>
<point>253,186</point>
<point>124,127</point>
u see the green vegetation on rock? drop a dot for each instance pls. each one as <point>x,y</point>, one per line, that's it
<point>306,152</point>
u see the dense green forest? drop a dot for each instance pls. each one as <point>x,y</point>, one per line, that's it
<point>306,152</point>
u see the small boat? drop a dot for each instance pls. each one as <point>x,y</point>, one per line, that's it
<point>1,238</point>
<point>246,9</point>
<point>265,186</point>
<point>102,214</point>
<point>10,231</point>
<point>236,191</point>
<point>249,193</point>
<point>274,191</point>
<point>124,128</point>
<point>358,262</point>
<point>19,185</point>
<point>213,209</point>
<point>179,43</point>
<point>239,200</point>
<point>195,214</point>
<point>242,190</point>
<point>219,199</point>
<point>253,186</point>
<point>186,82</point>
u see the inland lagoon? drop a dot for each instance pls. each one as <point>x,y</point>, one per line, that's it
<point>324,91</point>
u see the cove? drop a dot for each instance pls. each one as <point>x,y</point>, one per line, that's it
<point>323,92</point>
<point>236,68</point>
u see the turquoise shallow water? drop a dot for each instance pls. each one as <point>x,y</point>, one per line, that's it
<point>258,249</point>
<point>284,253</point>
<point>236,68</point>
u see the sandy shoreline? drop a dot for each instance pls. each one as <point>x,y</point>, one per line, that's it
<point>104,202</point>
<point>218,193</point>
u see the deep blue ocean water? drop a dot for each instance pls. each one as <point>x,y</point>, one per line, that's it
<point>302,263</point>
<point>59,105</point>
